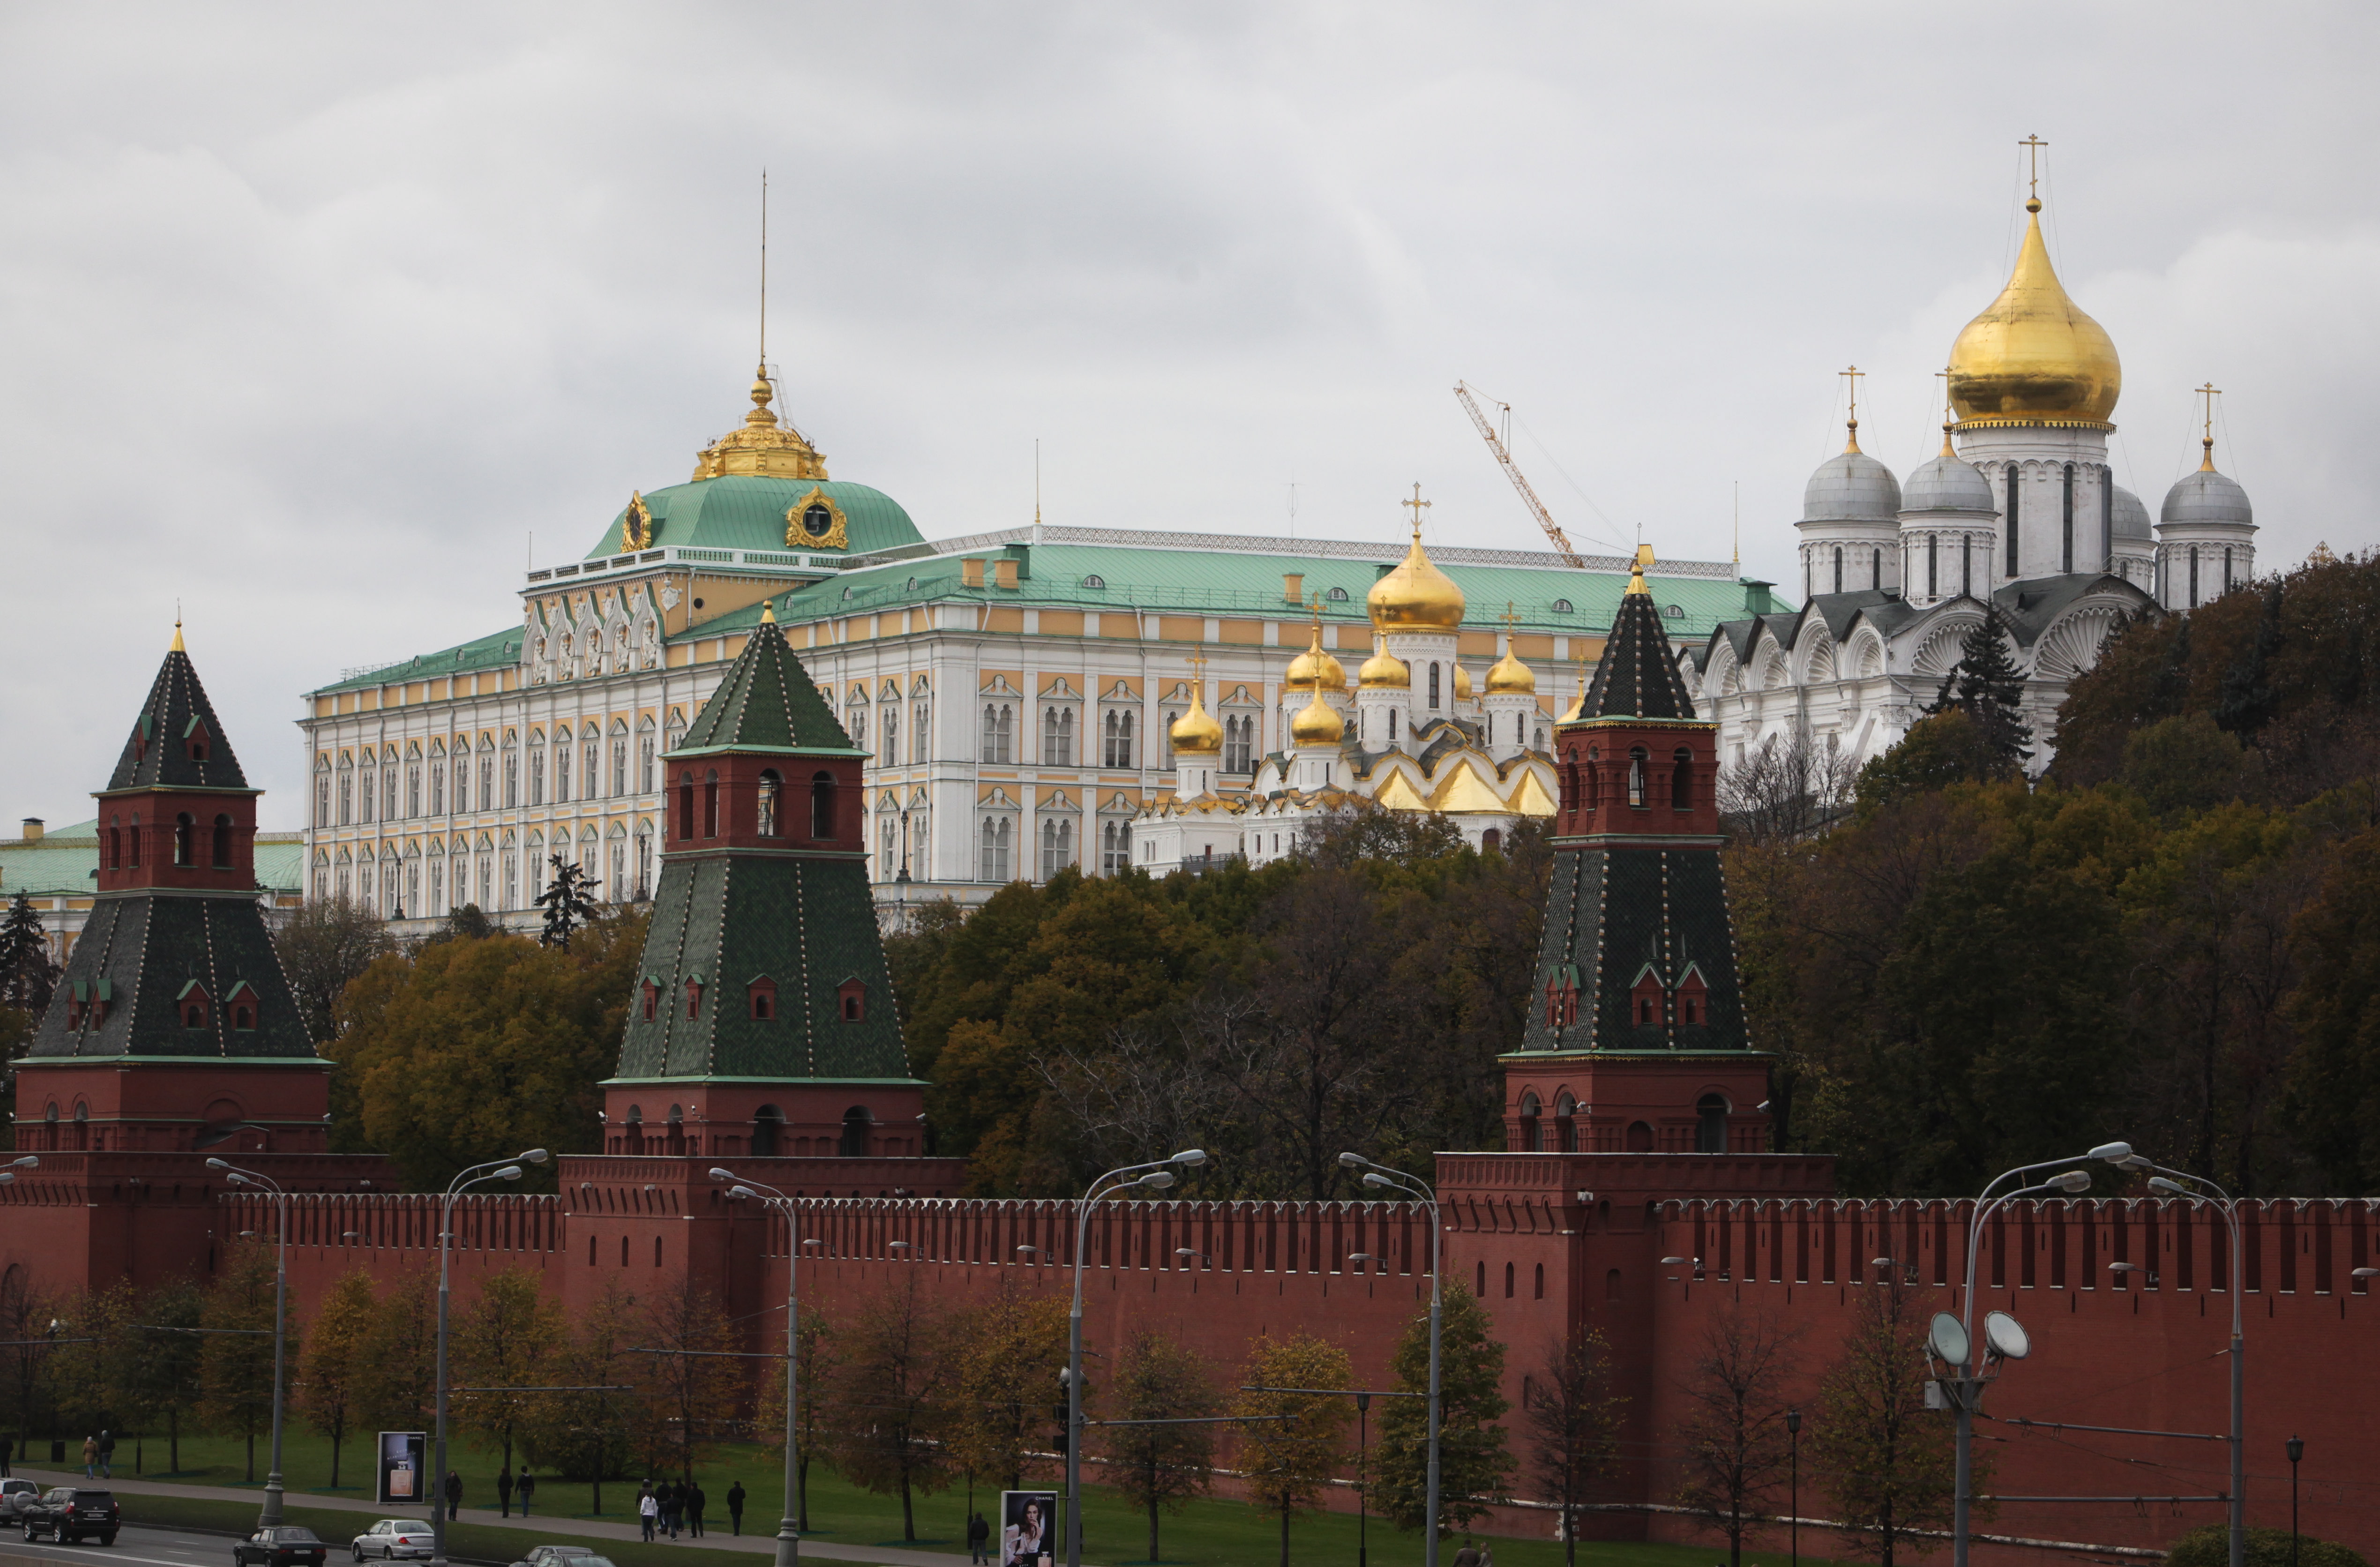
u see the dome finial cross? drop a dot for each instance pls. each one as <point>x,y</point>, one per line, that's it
<point>1416,506</point>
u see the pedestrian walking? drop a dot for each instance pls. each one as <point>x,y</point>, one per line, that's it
<point>91,1458</point>
<point>694,1504</point>
<point>107,1455</point>
<point>526,1487</point>
<point>673,1506</point>
<point>1468,1556</point>
<point>504,1491</point>
<point>734,1502</point>
<point>648,1511</point>
<point>454,1493</point>
<point>978,1538</point>
<point>6,1447</point>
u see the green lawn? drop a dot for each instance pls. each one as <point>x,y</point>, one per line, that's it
<point>1206,1533</point>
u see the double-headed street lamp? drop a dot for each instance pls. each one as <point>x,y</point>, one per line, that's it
<point>2170,1183</point>
<point>1154,1177</point>
<point>789,1536</point>
<point>1380,1177</point>
<point>1953,1338</point>
<point>273,1490</point>
<point>496,1170</point>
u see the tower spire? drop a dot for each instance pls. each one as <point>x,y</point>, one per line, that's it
<point>1852,376</point>
<point>2032,146</point>
<point>2206,443</point>
<point>177,647</point>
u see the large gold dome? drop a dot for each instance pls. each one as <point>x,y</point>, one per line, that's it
<point>1196,733</point>
<point>1415,596</point>
<point>2033,356</point>
<point>1316,669</point>
<point>1317,724</point>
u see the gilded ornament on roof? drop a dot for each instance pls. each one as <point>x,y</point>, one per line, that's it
<point>636,524</point>
<point>2032,357</point>
<point>765,447</point>
<point>815,522</point>
<point>1416,596</point>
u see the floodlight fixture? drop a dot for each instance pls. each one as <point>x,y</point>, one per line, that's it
<point>2124,1268</point>
<point>1948,1339</point>
<point>2365,1274</point>
<point>1673,1261</point>
<point>2006,1337</point>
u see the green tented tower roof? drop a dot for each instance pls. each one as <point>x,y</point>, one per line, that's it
<point>767,706</point>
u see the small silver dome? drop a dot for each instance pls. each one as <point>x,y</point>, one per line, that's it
<point>2131,515</point>
<point>2208,499</point>
<point>1851,487</point>
<point>1947,484</point>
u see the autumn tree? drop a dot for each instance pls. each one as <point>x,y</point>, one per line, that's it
<point>333,1348</point>
<point>1569,1425</point>
<point>2334,1092</point>
<point>1732,1436</point>
<point>1885,1460</point>
<point>1161,1468</point>
<point>818,1364</point>
<point>1475,1469</point>
<point>173,1368</point>
<point>1787,788</point>
<point>1007,1353</point>
<point>590,1430</point>
<point>691,1386</point>
<point>511,1338</point>
<point>99,1365</point>
<point>470,1051</point>
<point>235,1365</point>
<point>1290,1443</point>
<point>894,1390</point>
<point>323,944</point>
<point>396,1368</point>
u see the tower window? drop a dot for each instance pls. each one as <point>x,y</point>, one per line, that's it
<point>1710,1131</point>
<point>686,805</point>
<point>761,995</point>
<point>1876,568</point>
<point>711,804</point>
<point>1636,760</point>
<point>652,1000</point>
<point>1838,568</point>
<point>822,805</point>
<point>694,998</point>
<point>184,830</point>
<point>1433,687</point>
<point>771,788</point>
<point>223,843</point>
<point>2015,511</point>
<point>2065,545</point>
<point>1933,564</point>
<point>850,998</point>
<point>1682,779</point>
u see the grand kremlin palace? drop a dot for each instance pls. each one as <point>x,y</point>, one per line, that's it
<point>1029,699</point>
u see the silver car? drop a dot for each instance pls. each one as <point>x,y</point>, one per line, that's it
<point>394,1539</point>
<point>14,1493</point>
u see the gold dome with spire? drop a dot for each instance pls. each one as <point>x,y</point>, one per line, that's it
<point>2032,357</point>
<point>1196,733</point>
<point>1462,684</point>
<point>1416,596</point>
<point>1384,670</point>
<point>765,447</point>
<point>1508,676</point>
<point>1317,723</point>
<point>1314,669</point>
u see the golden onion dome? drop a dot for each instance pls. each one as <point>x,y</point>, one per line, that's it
<point>1416,596</point>
<point>1317,723</point>
<point>1462,683</point>
<point>1509,676</point>
<point>2033,356</point>
<point>1317,670</point>
<point>1196,733</point>
<point>1385,670</point>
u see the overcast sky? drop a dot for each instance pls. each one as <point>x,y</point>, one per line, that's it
<point>315,315</point>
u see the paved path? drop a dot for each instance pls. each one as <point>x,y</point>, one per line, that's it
<point>561,1528</point>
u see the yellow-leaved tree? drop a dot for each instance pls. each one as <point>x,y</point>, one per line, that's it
<point>511,1338</point>
<point>333,1355</point>
<point>1287,1462</point>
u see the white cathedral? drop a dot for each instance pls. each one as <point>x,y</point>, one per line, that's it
<point>2020,508</point>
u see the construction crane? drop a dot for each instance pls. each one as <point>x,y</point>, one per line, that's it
<point>1511,471</point>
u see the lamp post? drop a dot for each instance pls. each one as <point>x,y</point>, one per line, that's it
<point>789,1538</point>
<point>2296,1448</point>
<point>1793,1506</point>
<point>1964,1385</point>
<point>1363,1455</point>
<point>271,1515</point>
<point>1378,1177</point>
<point>1156,1175</point>
<point>2170,1182</point>
<point>497,1169</point>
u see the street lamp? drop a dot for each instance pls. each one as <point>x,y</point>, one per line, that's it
<point>27,1162</point>
<point>497,1169</point>
<point>1793,1445</point>
<point>1379,1177</point>
<point>2170,1183</point>
<point>1953,1338</point>
<point>271,1515</point>
<point>789,1537</point>
<point>2296,1448</point>
<point>1154,1175</point>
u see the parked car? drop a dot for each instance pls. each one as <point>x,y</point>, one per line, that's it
<point>12,1493</point>
<point>560,1556</point>
<point>281,1546</point>
<point>393,1539</point>
<point>72,1513</point>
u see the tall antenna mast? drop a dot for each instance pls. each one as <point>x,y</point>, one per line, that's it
<point>764,272</point>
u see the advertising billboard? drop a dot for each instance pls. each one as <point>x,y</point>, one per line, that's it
<point>1029,1528</point>
<point>404,1468</point>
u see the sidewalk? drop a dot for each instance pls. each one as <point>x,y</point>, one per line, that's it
<point>764,1543</point>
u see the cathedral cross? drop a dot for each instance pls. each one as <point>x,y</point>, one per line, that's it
<point>1416,506</point>
<point>1851,376</point>
<point>2032,146</point>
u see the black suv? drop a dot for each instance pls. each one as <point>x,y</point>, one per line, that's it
<point>72,1512</point>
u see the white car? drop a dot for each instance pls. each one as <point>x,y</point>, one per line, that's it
<point>393,1539</point>
<point>13,1493</point>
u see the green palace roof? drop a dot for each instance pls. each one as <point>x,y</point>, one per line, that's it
<point>740,512</point>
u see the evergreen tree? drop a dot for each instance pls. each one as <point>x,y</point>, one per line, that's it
<point>568,900</point>
<point>27,973</point>
<point>1988,687</point>
<point>2247,702</point>
<point>2171,693</point>
<point>1473,1468</point>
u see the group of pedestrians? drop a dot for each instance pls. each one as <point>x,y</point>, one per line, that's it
<point>98,1457</point>
<point>664,1508</point>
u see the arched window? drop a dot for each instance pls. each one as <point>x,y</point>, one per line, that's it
<point>686,805</point>
<point>1491,840</point>
<point>761,998</point>
<point>1540,1288</point>
<point>1565,1123</point>
<point>770,786</point>
<point>1611,1286</point>
<point>822,805</point>
<point>855,1123</point>
<point>115,845</point>
<point>1875,570</point>
<point>1433,687</point>
<point>710,803</point>
<point>1508,1280</point>
<point>1682,779</point>
<point>1710,1130</point>
<point>1529,1107</point>
<point>2014,508</point>
<point>1116,750</point>
<point>184,828</point>
<point>1640,1138</point>
<point>657,1251</point>
<point>1636,760</point>
<point>1481,1290</point>
<point>1838,568</point>
<point>1593,776</point>
<point>768,1123</point>
<point>223,843</point>
<point>2193,577</point>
